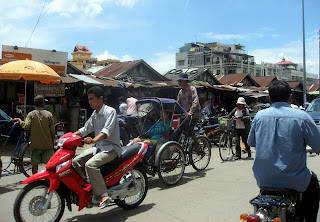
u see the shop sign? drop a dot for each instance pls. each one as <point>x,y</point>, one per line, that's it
<point>49,90</point>
<point>13,56</point>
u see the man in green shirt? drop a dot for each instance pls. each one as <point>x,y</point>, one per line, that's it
<point>41,125</point>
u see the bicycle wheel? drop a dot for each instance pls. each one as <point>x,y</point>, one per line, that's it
<point>200,158</point>
<point>225,147</point>
<point>171,164</point>
<point>25,161</point>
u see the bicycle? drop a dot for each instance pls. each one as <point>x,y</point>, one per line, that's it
<point>226,142</point>
<point>175,150</point>
<point>22,144</point>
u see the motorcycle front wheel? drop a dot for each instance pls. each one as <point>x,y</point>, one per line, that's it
<point>30,202</point>
<point>141,182</point>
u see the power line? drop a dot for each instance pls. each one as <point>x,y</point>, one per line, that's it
<point>36,23</point>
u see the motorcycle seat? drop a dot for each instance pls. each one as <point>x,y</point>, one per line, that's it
<point>128,152</point>
<point>278,191</point>
<point>210,127</point>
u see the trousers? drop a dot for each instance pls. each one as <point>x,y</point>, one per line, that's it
<point>244,136</point>
<point>310,201</point>
<point>91,163</point>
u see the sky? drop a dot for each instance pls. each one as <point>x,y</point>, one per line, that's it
<point>154,30</point>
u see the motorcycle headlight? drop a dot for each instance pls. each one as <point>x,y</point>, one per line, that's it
<point>60,166</point>
<point>62,140</point>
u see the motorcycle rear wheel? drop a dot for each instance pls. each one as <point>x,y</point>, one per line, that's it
<point>134,201</point>
<point>29,202</point>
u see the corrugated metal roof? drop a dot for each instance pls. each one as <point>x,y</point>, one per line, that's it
<point>234,79</point>
<point>116,68</point>
<point>294,84</point>
<point>68,79</point>
<point>85,79</point>
<point>312,87</point>
<point>264,81</point>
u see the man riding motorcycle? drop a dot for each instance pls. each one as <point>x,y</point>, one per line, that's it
<point>280,135</point>
<point>103,122</point>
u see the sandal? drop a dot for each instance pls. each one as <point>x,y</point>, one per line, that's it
<point>103,204</point>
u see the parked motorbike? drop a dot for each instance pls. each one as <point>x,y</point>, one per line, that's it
<point>59,128</point>
<point>274,205</point>
<point>47,192</point>
<point>209,127</point>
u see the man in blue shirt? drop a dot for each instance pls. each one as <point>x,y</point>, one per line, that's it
<point>280,135</point>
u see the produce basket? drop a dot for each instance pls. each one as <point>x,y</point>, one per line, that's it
<point>225,124</point>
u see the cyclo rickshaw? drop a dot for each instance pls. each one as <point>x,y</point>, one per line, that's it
<point>172,152</point>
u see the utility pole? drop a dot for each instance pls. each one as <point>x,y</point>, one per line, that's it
<point>304,58</point>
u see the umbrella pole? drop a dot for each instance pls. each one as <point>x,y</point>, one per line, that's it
<point>25,97</point>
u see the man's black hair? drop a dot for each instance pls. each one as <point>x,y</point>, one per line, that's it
<point>121,98</point>
<point>279,91</point>
<point>38,103</point>
<point>97,91</point>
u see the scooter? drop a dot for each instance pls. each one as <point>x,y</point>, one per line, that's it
<point>274,205</point>
<point>47,192</point>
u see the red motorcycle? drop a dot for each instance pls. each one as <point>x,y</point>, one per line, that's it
<point>47,192</point>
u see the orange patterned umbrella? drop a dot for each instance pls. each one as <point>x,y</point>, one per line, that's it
<point>29,70</point>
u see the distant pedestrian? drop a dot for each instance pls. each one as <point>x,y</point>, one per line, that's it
<point>122,107</point>
<point>40,122</point>
<point>242,126</point>
<point>131,106</point>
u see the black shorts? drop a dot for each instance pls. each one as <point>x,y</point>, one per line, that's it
<point>188,125</point>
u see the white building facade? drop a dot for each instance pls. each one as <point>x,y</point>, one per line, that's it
<point>223,59</point>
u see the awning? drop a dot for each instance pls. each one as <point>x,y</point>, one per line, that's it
<point>253,94</point>
<point>86,79</point>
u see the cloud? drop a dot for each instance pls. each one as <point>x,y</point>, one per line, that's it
<point>163,62</point>
<point>127,3</point>
<point>221,37</point>
<point>106,55</point>
<point>292,51</point>
<point>211,35</point>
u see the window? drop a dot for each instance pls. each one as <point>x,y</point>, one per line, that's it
<point>181,62</point>
<point>218,72</point>
<point>208,60</point>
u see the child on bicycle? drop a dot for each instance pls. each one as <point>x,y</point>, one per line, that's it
<point>158,130</point>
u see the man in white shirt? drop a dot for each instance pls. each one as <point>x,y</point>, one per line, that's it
<point>103,122</point>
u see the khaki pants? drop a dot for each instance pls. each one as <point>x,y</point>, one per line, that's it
<point>92,164</point>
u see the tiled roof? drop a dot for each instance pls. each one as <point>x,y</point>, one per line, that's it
<point>285,63</point>
<point>79,49</point>
<point>264,81</point>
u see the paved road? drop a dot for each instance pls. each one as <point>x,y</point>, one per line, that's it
<point>221,193</point>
